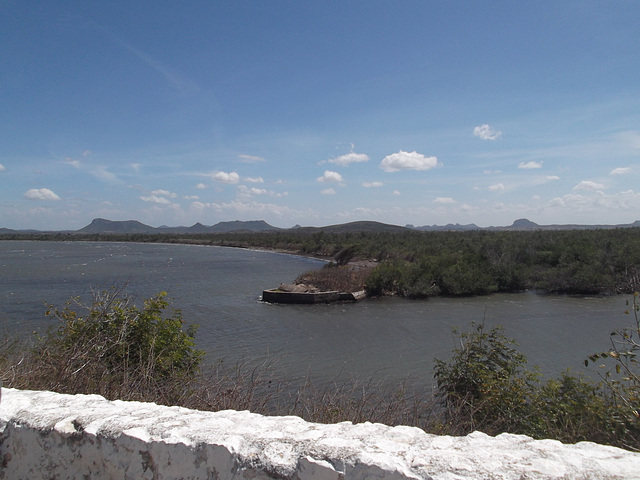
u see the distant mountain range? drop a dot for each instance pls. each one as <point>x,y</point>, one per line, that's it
<point>103,226</point>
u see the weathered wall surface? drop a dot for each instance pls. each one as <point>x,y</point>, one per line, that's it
<point>48,435</point>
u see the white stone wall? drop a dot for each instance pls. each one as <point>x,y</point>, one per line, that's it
<point>45,435</point>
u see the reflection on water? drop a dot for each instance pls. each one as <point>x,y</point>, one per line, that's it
<point>219,288</point>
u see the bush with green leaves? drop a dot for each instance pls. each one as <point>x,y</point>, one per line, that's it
<point>117,349</point>
<point>621,376</point>
<point>486,386</point>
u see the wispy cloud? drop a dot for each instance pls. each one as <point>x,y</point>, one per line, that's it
<point>251,159</point>
<point>371,184</point>
<point>2,168</point>
<point>156,199</point>
<point>498,187</point>
<point>41,194</point>
<point>349,158</point>
<point>589,185</point>
<point>245,191</point>
<point>97,171</point>
<point>620,171</point>
<point>407,161</point>
<point>485,132</point>
<point>444,200</point>
<point>530,165</point>
<point>328,191</point>
<point>254,180</point>
<point>164,193</point>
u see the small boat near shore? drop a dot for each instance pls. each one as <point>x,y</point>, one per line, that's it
<point>302,294</point>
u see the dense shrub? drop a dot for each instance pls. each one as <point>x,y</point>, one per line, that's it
<point>117,349</point>
<point>622,378</point>
<point>486,386</point>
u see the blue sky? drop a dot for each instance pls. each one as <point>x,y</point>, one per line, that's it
<point>317,113</point>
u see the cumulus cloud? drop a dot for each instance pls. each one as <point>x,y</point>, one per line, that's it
<point>328,191</point>
<point>40,194</point>
<point>497,187</point>
<point>530,165</point>
<point>485,132</point>
<point>589,185</point>
<point>345,160</point>
<point>224,177</point>
<point>201,186</point>
<point>371,184</point>
<point>330,176</point>
<point>620,171</point>
<point>444,200</point>
<point>254,180</point>
<point>251,159</point>
<point>553,177</point>
<point>407,161</point>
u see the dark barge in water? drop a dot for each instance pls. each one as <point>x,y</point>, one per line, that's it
<point>301,294</point>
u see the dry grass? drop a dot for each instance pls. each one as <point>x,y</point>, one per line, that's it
<point>345,278</point>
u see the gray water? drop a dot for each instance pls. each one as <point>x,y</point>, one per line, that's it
<point>219,289</point>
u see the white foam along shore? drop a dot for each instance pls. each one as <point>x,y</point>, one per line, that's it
<point>49,435</point>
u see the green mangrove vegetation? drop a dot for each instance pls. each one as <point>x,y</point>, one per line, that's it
<point>418,264</point>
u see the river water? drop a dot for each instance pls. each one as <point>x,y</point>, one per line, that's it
<point>388,339</point>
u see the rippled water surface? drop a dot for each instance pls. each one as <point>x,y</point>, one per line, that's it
<point>219,289</point>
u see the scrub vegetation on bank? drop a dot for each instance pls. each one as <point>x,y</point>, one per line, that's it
<point>123,350</point>
<point>418,264</point>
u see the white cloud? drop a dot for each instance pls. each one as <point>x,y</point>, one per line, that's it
<point>251,159</point>
<point>345,160</point>
<point>190,197</point>
<point>530,165</point>
<point>224,177</point>
<point>2,168</point>
<point>156,199</point>
<point>620,171</point>
<point>553,177</point>
<point>328,191</point>
<point>444,200</point>
<point>330,176</point>
<point>485,132</point>
<point>589,185</point>
<point>627,201</point>
<point>73,163</point>
<point>396,192</point>
<point>407,161</point>
<point>136,166</point>
<point>164,193</point>
<point>245,191</point>
<point>201,186</point>
<point>371,184</point>
<point>497,187</point>
<point>254,179</point>
<point>40,194</point>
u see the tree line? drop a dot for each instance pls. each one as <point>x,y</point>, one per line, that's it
<point>420,264</point>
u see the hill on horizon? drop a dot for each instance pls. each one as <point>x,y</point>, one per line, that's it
<point>123,227</point>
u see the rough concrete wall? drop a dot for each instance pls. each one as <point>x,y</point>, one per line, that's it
<point>48,435</point>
